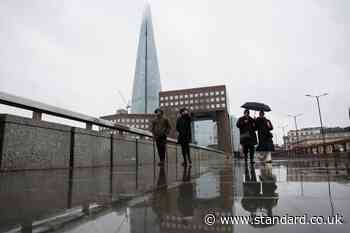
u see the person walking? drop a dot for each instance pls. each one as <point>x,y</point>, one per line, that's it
<point>247,128</point>
<point>183,127</point>
<point>265,146</point>
<point>160,130</point>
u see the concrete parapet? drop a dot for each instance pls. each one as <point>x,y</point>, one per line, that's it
<point>31,144</point>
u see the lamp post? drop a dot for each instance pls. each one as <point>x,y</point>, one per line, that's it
<point>284,134</point>
<point>296,126</point>
<point>319,113</point>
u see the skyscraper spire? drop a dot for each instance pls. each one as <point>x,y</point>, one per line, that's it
<point>147,84</point>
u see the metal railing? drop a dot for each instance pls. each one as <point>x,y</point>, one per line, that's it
<point>40,108</point>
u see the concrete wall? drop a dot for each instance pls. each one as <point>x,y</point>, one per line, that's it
<point>29,144</point>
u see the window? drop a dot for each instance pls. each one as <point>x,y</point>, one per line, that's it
<point>137,120</point>
<point>200,94</point>
<point>212,99</point>
<point>191,95</point>
<point>222,98</point>
<point>217,93</point>
<point>127,120</point>
<point>191,101</point>
<point>181,102</point>
<point>171,97</point>
<point>186,96</point>
<point>166,104</point>
<point>208,106</point>
<point>212,106</point>
<point>132,120</point>
<point>176,97</point>
<point>166,98</point>
<point>206,94</point>
<point>145,120</point>
<point>191,107</point>
<point>196,95</point>
<point>181,96</point>
<point>186,102</point>
<point>123,120</point>
<point>196,101</point>
<point>218,105</point>
<point>161,104</point>
<point>223,105</point>
<point>217,99</point>
<point>222,93</point>
<point>176,103</point>
<point>142,120</point>
<point>211,93</point>
<point>161,98</point>
<point>171,103</point>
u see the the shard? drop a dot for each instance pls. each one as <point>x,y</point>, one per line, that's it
<point>146,85</point>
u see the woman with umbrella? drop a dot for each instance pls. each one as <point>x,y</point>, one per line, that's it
<point>265,146</point>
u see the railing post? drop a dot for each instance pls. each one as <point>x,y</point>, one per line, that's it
<point>37,116</point>
<point>88,126</point>
<point>137,162</point>
<point>112,151</point>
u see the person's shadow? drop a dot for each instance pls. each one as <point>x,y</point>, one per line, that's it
<point>185,199</point>
<point>259,198</point>
<point>160,199</point>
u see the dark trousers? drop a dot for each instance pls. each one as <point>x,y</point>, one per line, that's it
<point>185,147</point>
<point>161,147</point>
<point>250,149</point>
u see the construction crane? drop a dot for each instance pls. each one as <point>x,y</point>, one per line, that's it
<point>127,104</point>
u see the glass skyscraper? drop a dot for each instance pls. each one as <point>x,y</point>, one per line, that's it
<point>146,87</point>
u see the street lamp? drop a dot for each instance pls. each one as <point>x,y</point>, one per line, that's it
<point>319,113</point>
<point>284,134</point>
<point>295,124</point>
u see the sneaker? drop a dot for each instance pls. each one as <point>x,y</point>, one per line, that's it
<point>184,164</point>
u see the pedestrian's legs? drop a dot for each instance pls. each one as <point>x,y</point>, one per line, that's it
<point>161,144</point>
<point>245,152</point>
<point>268,157</point>
<point>184,151</point>
<point>188,153</point>
<point>251,153</point>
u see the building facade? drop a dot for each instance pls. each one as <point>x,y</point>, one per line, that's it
<point>311,136</point>
<point>140,121</point>
<point>205,104</point>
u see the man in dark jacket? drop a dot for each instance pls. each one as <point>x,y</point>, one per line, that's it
<point>183,127</point>
<point>160,130</point>
<point>248,140</point>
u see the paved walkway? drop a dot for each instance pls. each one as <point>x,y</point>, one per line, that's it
<point>268,195</point>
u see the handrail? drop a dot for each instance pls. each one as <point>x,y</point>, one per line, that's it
<point>39,107</point>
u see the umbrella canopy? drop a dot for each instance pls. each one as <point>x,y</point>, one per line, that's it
<point>256,106</point>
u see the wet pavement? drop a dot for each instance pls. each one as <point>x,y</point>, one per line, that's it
<point>175,199</point>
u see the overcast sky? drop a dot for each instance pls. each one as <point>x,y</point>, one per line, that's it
<point>78,54</point>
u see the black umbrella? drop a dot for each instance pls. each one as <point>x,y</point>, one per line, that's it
<point>256,106</point>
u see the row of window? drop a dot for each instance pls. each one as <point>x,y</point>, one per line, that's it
<point>196,101</point>
<point>304,133</point>
<point>203,106</point>
<point>142,126</point>
<point>186,96</point>
<point>132,120</point>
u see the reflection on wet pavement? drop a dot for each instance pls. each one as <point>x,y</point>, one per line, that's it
<point>176,199</point>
